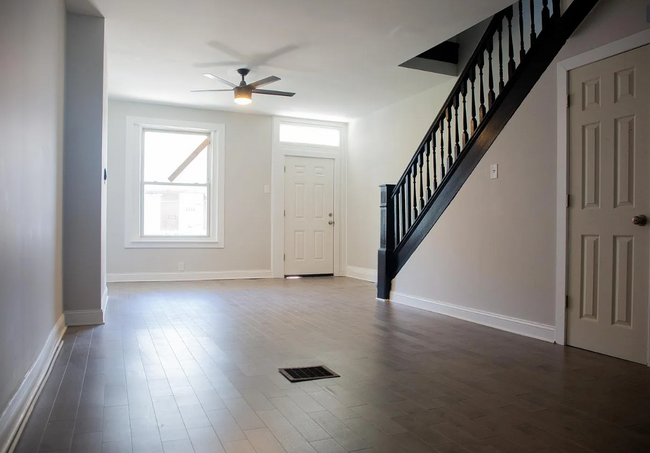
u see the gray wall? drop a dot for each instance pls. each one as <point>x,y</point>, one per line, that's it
<point>247,207</point>
<point>32,37</point>
<point>83,163</point>
<point>494,248</point>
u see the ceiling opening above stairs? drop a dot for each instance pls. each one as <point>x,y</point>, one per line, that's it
<point>449,57</point>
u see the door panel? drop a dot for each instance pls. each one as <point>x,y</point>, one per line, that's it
<point>309,203</point>
<point>625,131</point>
<point>591,166</point>
<point>623,272</point>
<point>589,278</point>
<point>610,184</point>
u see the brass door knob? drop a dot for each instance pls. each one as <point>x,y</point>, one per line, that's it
<point>331,222</point>
<point>639,220</point>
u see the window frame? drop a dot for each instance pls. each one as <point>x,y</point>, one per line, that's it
<point>134,187</point>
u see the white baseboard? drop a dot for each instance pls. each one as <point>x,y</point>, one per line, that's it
<point>17,411</point>
<point>187,276</point>
<point>362,273</point>
<point>87,317</point>
<point>84,317</point>
<point>514,325</point>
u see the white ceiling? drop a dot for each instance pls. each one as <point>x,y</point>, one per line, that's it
<point>341,57</point>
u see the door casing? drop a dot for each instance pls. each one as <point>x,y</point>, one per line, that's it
<point>339,155</point>
<point>563,68</point>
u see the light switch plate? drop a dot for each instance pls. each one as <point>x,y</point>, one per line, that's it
<point>267,189</point>
<point>494,171</point>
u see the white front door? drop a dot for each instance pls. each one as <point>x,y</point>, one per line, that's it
<point>610,185</point>
<point>309,216</point>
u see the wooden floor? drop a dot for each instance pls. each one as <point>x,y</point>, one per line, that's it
<point>192,367</point>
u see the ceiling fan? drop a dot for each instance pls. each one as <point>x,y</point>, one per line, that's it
<point>244,91</point>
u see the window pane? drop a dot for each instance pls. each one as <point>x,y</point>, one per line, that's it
<point>175,210</point>
<point>310,135</point>
<point>164,152</point>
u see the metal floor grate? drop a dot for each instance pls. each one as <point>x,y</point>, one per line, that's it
<point>307,373</point>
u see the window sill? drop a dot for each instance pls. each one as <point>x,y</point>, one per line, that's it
<point>170,244</point>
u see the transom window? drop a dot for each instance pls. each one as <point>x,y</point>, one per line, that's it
<point>307,134</point>
<point>179,185</point>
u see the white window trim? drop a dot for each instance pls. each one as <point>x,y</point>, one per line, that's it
<point>339,154</point>
<point>133,172</point>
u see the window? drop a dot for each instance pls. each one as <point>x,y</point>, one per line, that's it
<point>310,135</point>
<point>175,193</point>
<point>174,184</point>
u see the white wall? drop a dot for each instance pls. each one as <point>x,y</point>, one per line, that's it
<point>83,280</point>
<point>247,207</point>
<point>494,247</point>
<point>32,37</point>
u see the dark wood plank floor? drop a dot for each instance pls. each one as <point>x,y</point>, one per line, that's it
<point>192,367</point>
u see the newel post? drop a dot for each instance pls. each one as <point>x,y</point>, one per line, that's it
<point>386,242</point>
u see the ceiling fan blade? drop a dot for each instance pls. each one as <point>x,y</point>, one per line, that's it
<point>274,93</point>
<point>265,81</point>
<point>214,77</point>
<point>204,91</point>
<point>221,47</point>
<point>263,59</point>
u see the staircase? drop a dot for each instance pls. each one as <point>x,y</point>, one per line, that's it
<point>518,46</point>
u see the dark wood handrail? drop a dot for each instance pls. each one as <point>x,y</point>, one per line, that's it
<point>463,78</point>
<point>472,142</point>
<point>471,99</point>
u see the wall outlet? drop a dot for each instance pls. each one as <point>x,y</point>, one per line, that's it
<point>494,171</point>
<point>181,265</point>
<point>267,189</point>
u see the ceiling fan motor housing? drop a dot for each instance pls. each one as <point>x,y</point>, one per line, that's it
<point>243,91</point>
<point>243,94</point>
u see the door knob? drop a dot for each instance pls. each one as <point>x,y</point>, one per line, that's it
<point>331,222</point>
<point>639,220</point>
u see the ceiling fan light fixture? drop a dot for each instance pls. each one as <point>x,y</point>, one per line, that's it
<point>243,95</point>
<point>243,100</point>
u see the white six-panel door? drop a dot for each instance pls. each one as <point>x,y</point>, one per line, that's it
<point>309,216</point>
<point>609,185</point>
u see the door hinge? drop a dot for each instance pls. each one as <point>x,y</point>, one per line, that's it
<point>566,301</point>
<point>568,200</point>
<point>568,100</point>
<point>284,257</point>
<point>285,168</point>
<point>285,212</point>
